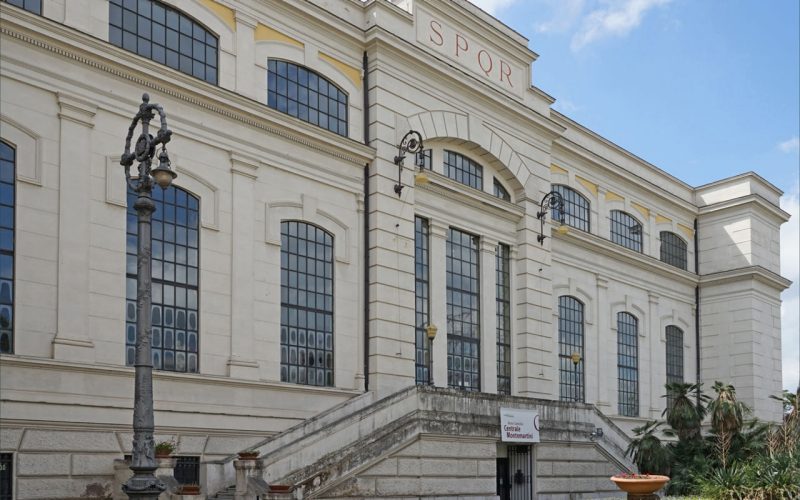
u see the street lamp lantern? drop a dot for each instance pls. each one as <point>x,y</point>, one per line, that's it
<point>144,484</point>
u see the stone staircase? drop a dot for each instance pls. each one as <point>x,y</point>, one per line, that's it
<point>366,446</point>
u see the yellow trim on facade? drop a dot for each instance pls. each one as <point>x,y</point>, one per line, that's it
<point>591,186</point>
<point>227,14</point>
<point>642,209</point>
<point>265,33</point>
<point>611,196</point>
<point>687,230</point>
<point>660,219</point>
<point>351,72</point>
<point>555,169</point>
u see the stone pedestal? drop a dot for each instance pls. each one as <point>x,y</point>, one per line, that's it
<point>249,481</point>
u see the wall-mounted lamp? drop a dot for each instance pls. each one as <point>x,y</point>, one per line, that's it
<point>551,201</point>
<point>411,143</point>
<point>597,433</point>
<point>576,358</point>
<point>430,331</point>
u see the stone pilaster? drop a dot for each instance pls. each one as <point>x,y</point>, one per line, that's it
<point>438,299</point>
<point>655,368</point>
<point>488,316</point>
<point>605,359</point>
<point>245,56</point>
<point>72,340</point>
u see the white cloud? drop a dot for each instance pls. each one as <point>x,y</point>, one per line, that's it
<point>790,309</point>
<point>618,18</point>
<point>565,14</point>
<point>492,6</point>
<point>565,106</point>
<point>791,145</point>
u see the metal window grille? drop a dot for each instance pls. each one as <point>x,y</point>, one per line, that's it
<point>570,341</point>
<point>673,249</point>
<point>187,470</point>
<point>503,300</point>
<point>159,32</point>
<point>7,243</point>
<point>176,264</point>
<point>626,230</point>
<point>6,476</point>
<point>628,364</point>
<point>306,304</point>
<point>34,6</point>
<point>576,208</point>
<point>500,191</point>
<point>460,168</point>
<point>307,95</point>
<point>463,311</point>
<point>421,295</point>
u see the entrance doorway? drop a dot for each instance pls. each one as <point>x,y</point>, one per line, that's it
<point>515,472</point>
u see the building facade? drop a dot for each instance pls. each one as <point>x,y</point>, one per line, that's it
<point>294,282</point>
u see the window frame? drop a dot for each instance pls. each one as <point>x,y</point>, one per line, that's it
<point>456,170</point>
<point>500,191</point>
<point>627,363</point>
<point>618,219</point>
<point>144,33</point>
<point>577,333</point>
<point>503,317</point>
<point>459,340</point>
<point>674,250</point>
<point>573,211</point>
<point>25,5</point>
<point>422,306</point>
<point>13,252</point>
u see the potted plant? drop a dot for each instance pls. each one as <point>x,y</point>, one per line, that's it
<point>639,484</point>
<point>249,454</point>
<point>165,448</point>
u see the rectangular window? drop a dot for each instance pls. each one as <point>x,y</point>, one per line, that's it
<point>187,470</point>
<point>422,303</point>
<point>628,364</point>
<point>7,243</point>
<point>503,300</point>
<point>674,357</point>
<point>570,349</point>
<point>463,311</point>
<point>34,6</point>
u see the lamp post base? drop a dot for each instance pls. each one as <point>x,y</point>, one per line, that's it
<point>144,486</point>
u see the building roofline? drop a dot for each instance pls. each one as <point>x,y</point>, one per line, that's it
<point>743,175</point>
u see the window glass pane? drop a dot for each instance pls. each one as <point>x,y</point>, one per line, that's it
<point>157,31</point>
<point>673,249</point>
<point>460,168</point>
<point>174,299</point>
<point>463,311</point>
<point>674,356</point>
<point>304,94</point>
<point>500,191</point>
<point>576,208</point>
<point>503,303</point>
<point>34,6</point>
<point>570,349</point>
<point>306,304</point>
<point>422,308</point>
<point>628,364</point>
<point>626,230</point>
<point>7,243</point>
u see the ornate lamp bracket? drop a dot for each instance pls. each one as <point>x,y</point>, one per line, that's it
<point>551,201</point>
<point>411,143</point>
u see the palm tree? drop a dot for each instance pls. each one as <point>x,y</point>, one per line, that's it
<point>682,413</point>
<point>649,455</point>
<point>727,414</point>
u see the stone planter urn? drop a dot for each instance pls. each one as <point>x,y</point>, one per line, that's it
<point>248,455</point>
<point>640,486</point>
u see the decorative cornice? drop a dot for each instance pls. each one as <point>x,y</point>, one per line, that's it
<point>757,273</point>
<point>743,201</point>
<point>75,109</point>
<point>245,166</point>
<point>452,190</point>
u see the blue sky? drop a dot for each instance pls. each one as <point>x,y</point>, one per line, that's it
<point>704,89</point>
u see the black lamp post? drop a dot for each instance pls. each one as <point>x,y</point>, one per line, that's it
<point>551,201</point>
<point>144,484</point>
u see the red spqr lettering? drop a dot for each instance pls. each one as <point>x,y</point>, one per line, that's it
<point>505,69</point>
<point>434,25</point>
<point>481,62</point>
<point>465,47</point>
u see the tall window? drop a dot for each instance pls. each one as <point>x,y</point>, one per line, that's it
<point>628,364</point>
<point>673,249</point>
<point>307,95</point>
<point>422,303</point>
<point>500,191</point>
<point>306,304</point>
<point>34,6</point>
<point>576,208</point>
<point>7,199</point>
<point>674,354</point>
<point>157,31</point>
<point>175,260</point>
<point>503,299</point>
<point>463,311</point>
<point>462,169</point>
<point>626,230</point>
<point>570,343</point>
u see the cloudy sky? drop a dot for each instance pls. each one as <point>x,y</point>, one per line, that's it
<point>704,89</point>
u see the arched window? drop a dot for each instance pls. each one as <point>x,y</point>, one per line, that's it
<point>576,208</point>
<point>463,311</point>
<point>460,168</point>
<point>673,249</point>
<point>570,343</point>
<point>628,364</point>
<point>7,204</point>
<point>422,299</point>
<point>34,6</point>
<point>175,260</point>
<point>674,354</point>
<point>503,300</point>
<point>306,304</point>
<point>168,36</point>
<point>500,191</point>
<point>307,95</point>
<point>626,230</point>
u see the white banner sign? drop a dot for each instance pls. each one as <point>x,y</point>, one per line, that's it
<point>519,426</point>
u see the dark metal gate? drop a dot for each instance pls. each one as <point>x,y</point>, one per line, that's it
<point>503,479</point>
<point>6,475</point>
<point>520,465</point>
